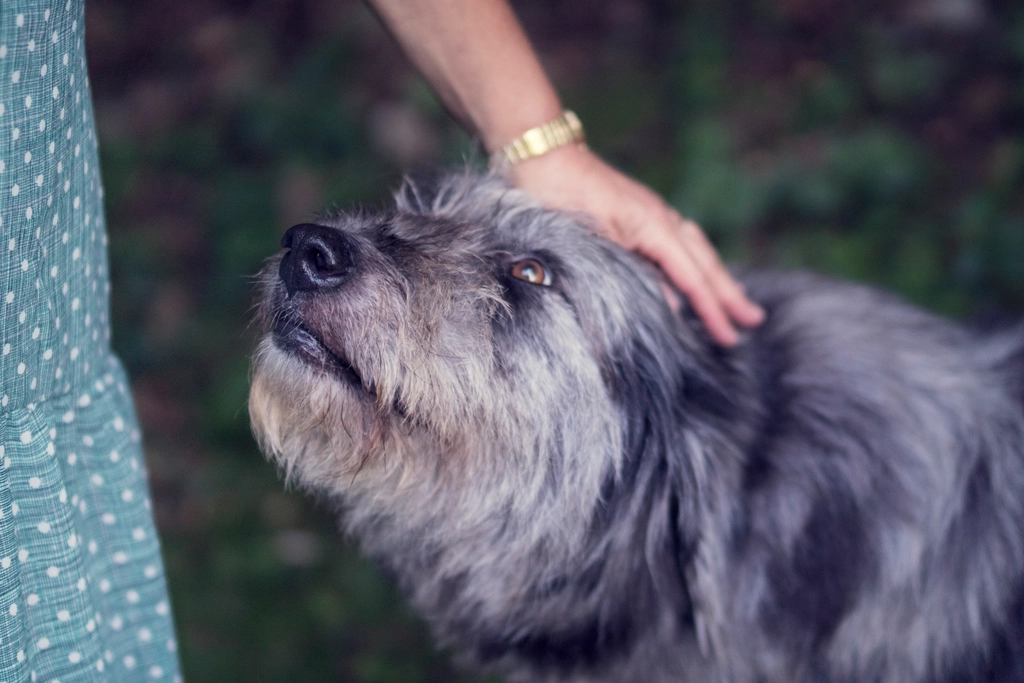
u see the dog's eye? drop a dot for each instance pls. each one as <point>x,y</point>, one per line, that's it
<point>531,271</point>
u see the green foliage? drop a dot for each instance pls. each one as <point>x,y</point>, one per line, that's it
<point>842,167</point>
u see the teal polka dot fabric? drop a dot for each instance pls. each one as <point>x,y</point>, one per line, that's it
<point>82,589</point>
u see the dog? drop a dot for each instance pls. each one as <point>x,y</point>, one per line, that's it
<point>572,482</point>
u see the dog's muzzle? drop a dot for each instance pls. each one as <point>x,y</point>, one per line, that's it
<point>318,259</point>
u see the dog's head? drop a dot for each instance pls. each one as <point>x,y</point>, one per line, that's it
<point>468,344</point>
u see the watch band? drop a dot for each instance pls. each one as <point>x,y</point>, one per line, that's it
<point>565,130</point>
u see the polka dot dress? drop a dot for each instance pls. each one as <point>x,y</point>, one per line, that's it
<point>82,590</point>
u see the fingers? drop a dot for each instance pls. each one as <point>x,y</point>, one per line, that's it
<point>684,272</point>
<point>689,260</point>
<point>729,292</point>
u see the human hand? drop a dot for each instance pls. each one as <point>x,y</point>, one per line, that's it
<point>575,179</point>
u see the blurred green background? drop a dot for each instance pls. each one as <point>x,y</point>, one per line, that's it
<point>878,141</point>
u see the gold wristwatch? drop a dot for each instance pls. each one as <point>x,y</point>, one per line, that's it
<point>565,130</point>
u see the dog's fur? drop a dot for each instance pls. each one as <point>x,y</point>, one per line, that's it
<point>573,483</point>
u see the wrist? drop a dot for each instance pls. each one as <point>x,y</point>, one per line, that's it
<point>512,119</point>
<point>555,178</point>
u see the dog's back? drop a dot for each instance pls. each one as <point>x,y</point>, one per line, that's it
<point>881,516</point>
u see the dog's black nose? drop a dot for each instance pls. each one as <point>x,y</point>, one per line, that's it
<point>319,258</point>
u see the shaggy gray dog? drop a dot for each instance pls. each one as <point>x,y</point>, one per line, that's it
<point>573,483</point>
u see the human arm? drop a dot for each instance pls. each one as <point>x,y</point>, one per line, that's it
<point>478,59</point>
